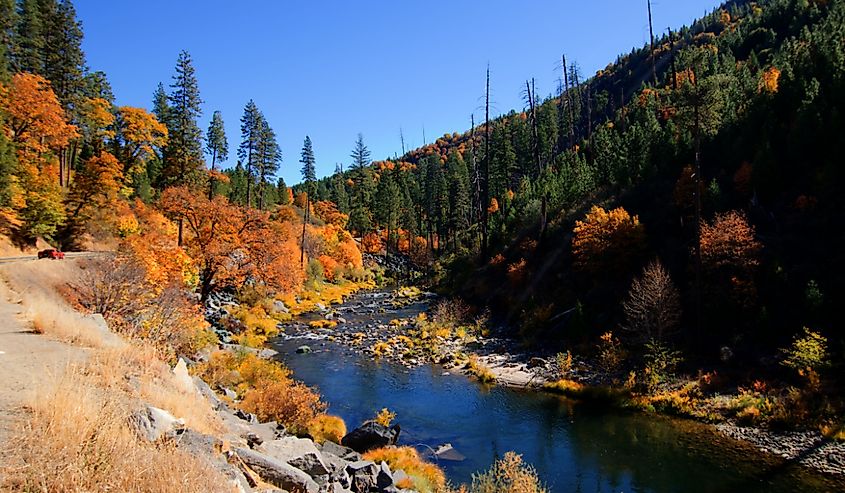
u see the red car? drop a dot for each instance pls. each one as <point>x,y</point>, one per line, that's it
<point>51,253</point>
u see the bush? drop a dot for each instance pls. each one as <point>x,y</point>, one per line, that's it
<point>807,353</point>
<point>425,477</point>
<point>385,417</point>
<point>290,403</point>
<point>569,388</point>
<point>661,362</point>
<point>611,354</point>
<point>479,370</point>
<point>327,428</point>
<point>508,475</point>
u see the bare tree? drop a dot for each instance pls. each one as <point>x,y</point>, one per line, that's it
<point>653,308</point>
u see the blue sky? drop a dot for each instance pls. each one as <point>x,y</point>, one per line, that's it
<point>333,69</point>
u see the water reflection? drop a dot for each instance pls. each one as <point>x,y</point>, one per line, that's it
<point>574,448</point>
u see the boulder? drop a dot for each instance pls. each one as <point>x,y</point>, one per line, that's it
<point>448,452</point>
<point>371,435</point>
<point>298,452</point>
<point>384,478</point>
<point>278,473</point>
<point>108,338</point>
<point>344,453</point>
<point>364,475</point>
<point>303,350</point>
<point>152,423</point>
<point>209,394</point>
<point>280,307</point>
<point>182,379</point>
<point>337,469</point>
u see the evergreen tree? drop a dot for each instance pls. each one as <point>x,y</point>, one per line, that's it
<point>282,187</point>
<point>309,176</point>
<point>387,203</point>
<point>29,46</point>
<point>183,155</point>
<point>459,198</point>
<point>161,107</point>
<point>251,124</point>
<point>64,61</point>
<point>269,157</point>
<point>338,193</point>
<point>360,216</point>
<point>216,146</point>
<point>8,22</point>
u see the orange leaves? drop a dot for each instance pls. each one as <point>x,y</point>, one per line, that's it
<point>730,254</point>
<point>371,243</point>
<point>729,242</point>
<point>140,132</point>
<point>769,81</point>
<point>493,207</point>
<point>607,240</point>
<point>97,111</point>
<point>327,211</point>
<point>35,119</point>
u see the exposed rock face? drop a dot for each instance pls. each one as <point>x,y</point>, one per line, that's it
<point>277,472</point>
<point>297,452</point>
<point>371,435</point>
<point>152,423</point>
<point>182,379</point>
<point>364,475</point>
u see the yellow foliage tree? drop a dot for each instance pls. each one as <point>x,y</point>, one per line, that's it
<point>607,240</point>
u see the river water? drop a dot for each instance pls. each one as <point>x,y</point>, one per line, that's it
<point>574,448</point>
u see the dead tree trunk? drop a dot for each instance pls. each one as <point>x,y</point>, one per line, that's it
<point>651,37</point>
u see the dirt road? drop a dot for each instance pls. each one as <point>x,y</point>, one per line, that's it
<point>27,360</point>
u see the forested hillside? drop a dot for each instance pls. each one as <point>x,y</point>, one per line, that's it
<point>713,157</point>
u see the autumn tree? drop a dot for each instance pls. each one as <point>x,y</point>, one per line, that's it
<point>217,147</point>
<point>139,133</point>
<point>97,185</point>
<point>606,241</point>
<point>652,308</point>
<point>730,256</point>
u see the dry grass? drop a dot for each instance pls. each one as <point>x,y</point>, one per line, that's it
<point>137,370</point>
<point>34,284</point>
<point>425,476</point>
<point>508,475</point>
<point>479,370</point>
<point>76,438</point>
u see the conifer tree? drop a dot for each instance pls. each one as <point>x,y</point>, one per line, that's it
<point>459,198</point>
<point>216,146</point>
<point>183,154</point>
<point>387,203</point>
<point>309,176</point>
<point>251,123</point>
<point>29,46</point>
<point>269,157</point>
<point>338,193</point>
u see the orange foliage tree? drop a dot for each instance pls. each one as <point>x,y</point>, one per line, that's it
<point>730,254</point>
<point>35,121</point>
<point>607,240</point>
<point>230,244</point>
<point>96,185</point>
<point>139,132</point>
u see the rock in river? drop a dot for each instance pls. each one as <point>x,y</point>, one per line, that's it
<point>371,435</point>
<point>303,350</point>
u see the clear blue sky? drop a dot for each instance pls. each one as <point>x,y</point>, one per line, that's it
<point>335,68</point>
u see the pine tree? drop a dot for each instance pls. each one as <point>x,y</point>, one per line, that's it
<point>387,203</point>
<point>64,61</point>
<point>309,176</point>
<point>338,192</point>
<point>28,55</point>
<point>161,108</point>
<point>216,146</point>
<point>459,198</point>
<point>282,187</point>
<point>269,156</point>
<point>360,214</point>
<point>251,123</point>
<point>183,154</point>
<point>8,21</point>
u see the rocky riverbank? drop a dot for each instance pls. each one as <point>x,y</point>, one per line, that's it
<point>265,457</point>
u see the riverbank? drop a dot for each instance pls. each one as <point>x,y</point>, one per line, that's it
<point>387,326</point>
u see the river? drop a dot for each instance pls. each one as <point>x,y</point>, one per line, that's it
<point>575,448</point>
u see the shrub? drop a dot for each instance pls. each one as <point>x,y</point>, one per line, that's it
<point>563,364</point>
<point>290,403</point>
<point>661,362</point>
<point>808,352</point>
<point>384,417</point>
<point>611,354</point>
<point>479,370</point>
<point>326,427</point>
<point>425,477</point>
<point>508,475</point>
<point>569,388</point>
